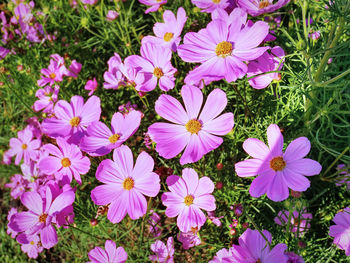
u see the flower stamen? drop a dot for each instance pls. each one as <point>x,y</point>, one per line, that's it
<point>52,75</point>
<point>158,72</point>
<point>114,138</point>
<point>65,162</point>
<point>277,163</point>
<point>189,200</point>
<point>74,122</point>
<point>128,183</point>
<point>223,49</point>
<point>24,146</point>
<point>42,218</point>
<point>193,126</point>
<point>168,36</point>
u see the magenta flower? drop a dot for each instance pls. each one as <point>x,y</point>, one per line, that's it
<point>3,52</point>
<point>47,97</point>
<point>343,175</point>
<point>277,171</point>
<point>111,15</point>
<point>209,6</point>
<point>164,253</point>
<point>114,78</point>
<point>18,185</point>
<point>24,147</point>
<point>100,140</point>
<point>299,222</point>
<point>51,75</point>
<point>9,230</point>
<point>253,248</point>
<point>168,34</point>
<point>125,184</point>
<point>258,7</point>
<point>155,4</point>
<point>265,63</point>
<point>222,48</point>
<point>223,256</point>
<point>187,197</point>
<point>193,131</point>
<point>190,238</point>
<point>91,85</point>
<point>74,69</point>
<point>110,254</point>
<point>154,66</point>
<point>65,160</point>
<point>30,245</point>
<point>71,120</point>
<point>294,258</point>
<point>154,224</point>
<point>341,230</point>
<point>40,215</point>
<point>215,220</point>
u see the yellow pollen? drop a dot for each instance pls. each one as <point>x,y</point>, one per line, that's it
<point>264,4</point>
<point>158,72</point>
<point>65,162</point>
<point>216,1</point>
<point>74,122</point>
<point>193,126</point>
<point>188,200</point>
<point>168,36</point>
<point>24,146</point>
<point>114,138</point>
<point>277,163</point>
<point>52,75</point>
<point>32,242</point>
<point>42,218</point>
<point>128,183</point>
<point>223,49</point>
<point>258,261</point>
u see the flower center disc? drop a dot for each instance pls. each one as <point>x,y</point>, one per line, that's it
<point>158,72</point>
<point>277,163</point>
<point>128,183</point>
<point>264,4</point>
<point>32,243</point>
<point>74,122</point>
<point>193,126</point>
<point>168,36</point>
<point>216,1</point>
<point>65,162</point>
<point>52,75</point>
<point>42,218</point>
<point>24,146</point>
<point>258,261</point>
<point>114,138</point>
<point>223,49</point>
<point>188,200</point>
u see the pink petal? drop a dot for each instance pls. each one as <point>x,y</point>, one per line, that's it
<point>190,216</point>
<point>137,205</point>
<point>305,166</point>
<point>106,194</point>
<point>77,103</point>
<point>260,184</point>
<point>214,105</point>
<point>174,204</point>
<point>91,111</point>
<point>98,255</point>
<point>63,110</point>
<point>206,202</point>
<point>253,36</point>
<point>62,201</point>
<point>193,151</point>
<point>33,201</point>
<point>205,186</point>
<point>50,164</point>
<point>193,99</point>
<point>177,185</point>
<point>250,167</point>
<point>117,209</point>
<point>278,189</point>
<point>295,181</point>
<point>144,164</point>
<point>22,221</point>
<point>256,148</point>
<point>166,83</point>
<point>221,125</point>
<point>124,159</point>
<point>48,237</point>
<point>108,172</point>
<point>148,184</point>
<point>297,149</point>
<point>190,177</point>
<point>275,139</point>
<point>171,109</point>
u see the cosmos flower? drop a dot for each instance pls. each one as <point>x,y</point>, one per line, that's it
<point>91,85</point>
<point>18,185</point>
<point>299,222</point>
<point>111,15</point>
<point>222,48</point>
<point>3,52</point>
<point>341,230</point>
<point>189,239</point>
<point>163,253</point>
<point>125,184</point>
<point>223,256</point>
<point>9,230</point>
<point>51,75</point>
<point>155,4</point>
<point>197,133</point>
<point>168,34</point>
<point>187,196</point>
<point>100,140</point>
<point>277,171</point>
<point>30,244</point>
<point>208,6</point>
<point>46,99</point>
<point>343,175</point>
<point>258,7</point>
<point>110,254</point>
<point>71,120</point>
<point>114,77</point>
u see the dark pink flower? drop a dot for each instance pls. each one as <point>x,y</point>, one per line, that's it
<point>155,4</point>
<point>190,238</point>
<point>51,75</point>
<point>30,245</point>
<point>18,185</point>
<point>209,6</point>
<point>299,222</point>
<point>9,230</point>
<point>341,230</point>
<point>110,254</point>
<point>163,253</point>
<point>91,85</point>
<point>258,7</point>
<point>111,15</point>
<point>74,69</point>
<point>47,97</point>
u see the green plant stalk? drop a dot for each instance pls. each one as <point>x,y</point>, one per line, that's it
<point>335,161</point>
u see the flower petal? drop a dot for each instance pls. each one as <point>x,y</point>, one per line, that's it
<point>278,189</point>
<point>305,166</point>
<point>260,184</point>
<point>124,159</point>
<point>221,125</point>
<point>33,201</point>
<point>275,139</point>
<point>297,149</point>
<point>193,99</point>
<point>106,194</point>
<point>171,109</point>
<point>214,105</point>
<point>48,237</point>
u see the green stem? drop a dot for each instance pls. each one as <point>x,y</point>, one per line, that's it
<point>325,83</point>
<point>336,160</point>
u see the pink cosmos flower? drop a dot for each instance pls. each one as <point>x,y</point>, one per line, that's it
<point>154,66</point>
<point>253,248</point>
<point>164,253</point>
<point>125,184</point>
<point>9,230</point>
<point>30,245</point>
<point>47,97</point>
<point>258,7</point>
<point>110,254</point>
<point>3,52</point>
<point>65,160</point>
<point>223,256</point>
<point>222,48</point>
<point>155,4</point>
<point>18,185</point>
<point>114,77</point>
<point>51,75</point>
<point>277,171</point>
<point>111,15</point>
<point>343,175</point>
<point>187,197</point>
<point>100,140</point>
<point>215,220</point>
<point>265,63</point>
<point>168,34</point>
<point>299,222</point>
<point>193,131</point>
<point>154,223</point>
<point>294,258</point>
<point>74,69</point>
<point>24,147</point>
<point>190,238</point>
<point>71,120</point>
<point>40,215</point>
<point>341,230</point>
<point>91,85</point>
<point>209,6</point>
<point>89,2</point>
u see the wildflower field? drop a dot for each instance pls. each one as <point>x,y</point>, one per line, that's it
<point>175,131</point>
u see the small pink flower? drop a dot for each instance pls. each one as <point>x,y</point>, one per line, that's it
<point>91,85</point>
<point>114,77</point>
<point>9,230</point>
<point>110,254</point>
<point>258,7</point>
<point>47,97</point>
<point>74,69</point>
<point>30,245</point>
<point>187,196</point>
<point>164,253</point>
<point>18,185</point>
<point>190,238</point>
<point>111,15</point>
<point>155,4</point>
<point>51,75</point>
<point>341,230</point>
<point>209,6</point>
<point>299,222</point>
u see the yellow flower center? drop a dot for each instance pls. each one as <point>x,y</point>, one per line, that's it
<point>158,72</point>
<point>216,1</point>
<point>32,243</point>
<point>188,200</point>
<point>128,183</point>
<point>114,138</point>
<point>24,146</point>
<point>52,75</point>
<point>277,163</point>
<point>74,122</point>
<point>65,162</point>
<point>193,126</point>
<point>264,4</point>
<point>42,218</point>
<point>223,49</point>
<point>168,36</point>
